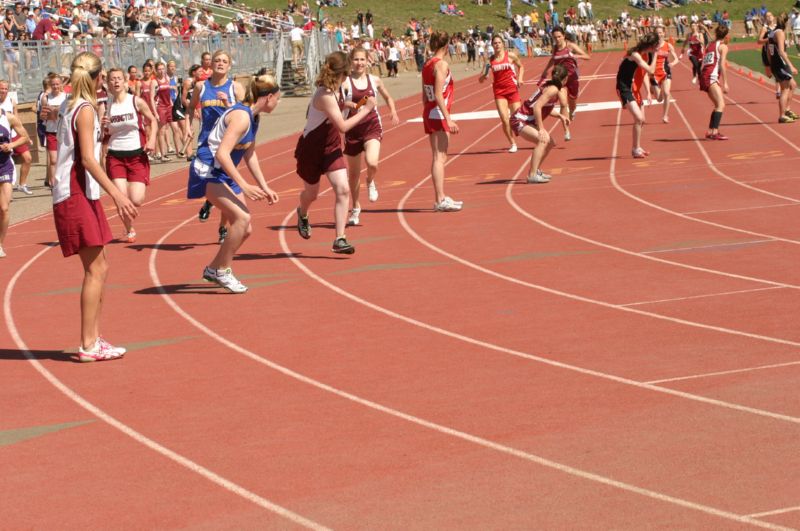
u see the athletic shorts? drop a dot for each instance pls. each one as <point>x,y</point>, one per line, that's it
<point>573,86</point>
<point>511,95</point>
<point>164,114</point>
<point>432,125</point>
<point>519,121</point>
<point>200,174</point>
<point>626,95</point>
<point>311,169</point>
<point>51,142</point>
<point>354,142</point>
<point>80,223</point>
<point>24,148</point>
<point>135,169</point>
<point>6,177</point>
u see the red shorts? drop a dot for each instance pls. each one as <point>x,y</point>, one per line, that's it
<point>572,87</point>
<point>80,223</point>
<point>354,140</point>
<point>432,125</point>
<point>511,95</point>
<point>51,142</point>
<point>164,114</point>
<point>24,148</point>
<point>314,158</point>
<point>134,169</point>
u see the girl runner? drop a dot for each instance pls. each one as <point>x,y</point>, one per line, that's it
<point>782,68</point>
<point>133,80</point>
<point>9,125</point>
<point>567,53</point>
<point>21,150</point>
<point>528,121</point>
<point>178,125</point>
<point>127,164</point>
<point>163,102</point>
<point>213,174</point>
<point>53,101</point>
<point>628,93</point>
<point>437,97</point>
<point>79,217</point>
<point>214,96</point>
<point>147,94</point>
<point>186,94</point>
<point>319,148</point>
<point>507,71</point>
<point>714,79</point>
<point>763,40</point>
<point>662,77</point>
<point>366,136</point>
<point>696,42</point>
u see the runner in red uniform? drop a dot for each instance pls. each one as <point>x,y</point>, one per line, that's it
<point>367,135</point>
<point>528,121</point>
<point>566,53</point>
<point>163,101</point>
<point>662,78</point>
<point>713,79</point>
<point>696,42</point>
<point>146,93</point>
<point>319,148</point>
<point>507,72</point>
<point>437,97</point>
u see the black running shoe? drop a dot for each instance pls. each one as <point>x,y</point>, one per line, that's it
<point>303,227</point>
<point>223,233</point>
<point>205,212</point>
<point>341,246</point>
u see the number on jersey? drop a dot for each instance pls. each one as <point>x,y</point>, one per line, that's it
<point>430,95</point>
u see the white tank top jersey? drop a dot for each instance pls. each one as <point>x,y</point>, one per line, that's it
<point>314,117</point>
<point>7,106</point>
<point>68,157</point>
<point>125,125</point>
<point>51,126</point>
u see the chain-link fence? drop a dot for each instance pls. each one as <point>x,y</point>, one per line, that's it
<point>27,65</point>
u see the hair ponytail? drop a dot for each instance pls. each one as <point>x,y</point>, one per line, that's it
<point>86,68</point>
<point>336,64</point>
<point>261,85</point>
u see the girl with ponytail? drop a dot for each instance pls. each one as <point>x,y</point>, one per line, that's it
<point>213,174</point>
<point>80,221</point>
<point>319,148</point>
<point>714,79</point>
<point>628,91</point>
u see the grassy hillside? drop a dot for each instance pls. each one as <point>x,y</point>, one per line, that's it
<point>395,14</point>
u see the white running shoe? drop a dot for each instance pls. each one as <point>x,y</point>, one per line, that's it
<point>373,191</point>
<point>448,205</point>
<point>353,219</point>
<point>101,351</point>
<point>225,279</point>
<point>25,190</point>
<point>106,344</point>
<point>567,136</point>
<point>513,148</point>
<point>538,178</point>
<point>694,81</point>
<point>2,253</point>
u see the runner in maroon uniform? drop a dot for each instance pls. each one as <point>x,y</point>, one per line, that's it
<point>629,94</point>
<point>163,104</point>
<point>696,42</point>
<point>528,121</point>
<point>507,72</point>
<point>319,148</point>
<point>366,136</point>
<point>567,53</point>
<point>437,97</point>
<point>711,75</point>
<point>146,93</point>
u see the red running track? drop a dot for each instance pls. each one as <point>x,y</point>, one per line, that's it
<point>617,348</point>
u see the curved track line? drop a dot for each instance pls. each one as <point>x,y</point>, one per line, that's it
<point>615,183</point>
<point>124,428</point>
<point>485,443</point>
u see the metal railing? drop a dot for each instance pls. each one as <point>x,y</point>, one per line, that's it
<point>27,65</point>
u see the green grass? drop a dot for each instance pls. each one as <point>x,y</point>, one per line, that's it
<point>752,59</point>
<point>395,14</point>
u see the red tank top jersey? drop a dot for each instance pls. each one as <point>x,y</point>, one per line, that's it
<point>357,94</point>
<point>144,91</point>
<point>163,93</point>
<point>662,53</point>
<point>564,57</point>
<point>709,73</point>
<point>504,75</point>
<point>695,47</point>
<point>430,109</point>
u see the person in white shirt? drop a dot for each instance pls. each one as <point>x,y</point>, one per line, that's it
<point>582,9</point>
<point>355,31</point>
<point>370,31</point>
<point>298,50</point>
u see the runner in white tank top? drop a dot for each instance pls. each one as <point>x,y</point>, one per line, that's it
<point>126,162</point>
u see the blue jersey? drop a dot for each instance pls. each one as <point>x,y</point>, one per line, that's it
<point>211,108</point>
<point>207,152</point>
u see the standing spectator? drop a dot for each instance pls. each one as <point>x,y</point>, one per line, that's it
<point>589,11</point>
<point>298,50</point>
<point>509,15</point>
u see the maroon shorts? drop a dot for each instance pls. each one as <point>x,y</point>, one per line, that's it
<point>164,114</point>
<point>51,142</point>
<point>354,140</point>
<point>704,82</point>
<point>24,148</point>
<point>80,223</point>
<point>314,158</point>
<point>573,86</point>
<point>135,169</point>
<point>519,121</point>
<point>511,95</point>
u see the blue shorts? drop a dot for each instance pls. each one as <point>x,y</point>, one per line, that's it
<point>200,174</point>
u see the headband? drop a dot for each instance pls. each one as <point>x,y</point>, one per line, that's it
<point>267,92</point>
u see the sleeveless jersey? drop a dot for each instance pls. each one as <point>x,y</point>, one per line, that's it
<point>627,71</point>
<point>144,92</point>
<point>710,69</point>
<point>504,75</point>
<point>6,163</point>
<point>163,93</point>
<point>71,178</point>
<point>430,109</point>
<point>352,93</point>
<point>525,112</point>
<point>54,101</point>
<point>7,106</point>
<point>662,65</point>
<point>211,108</point>
<point>695,46</point>
<point>207,152</point>
<point>125,128</point>
<point>565,57</point>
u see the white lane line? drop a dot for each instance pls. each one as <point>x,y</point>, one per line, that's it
<point>741,209</point>
<point>711,246</point>
<point>705,295</point>
<point>723,373</point>
<point>124,428</point>
<point>776,511</point>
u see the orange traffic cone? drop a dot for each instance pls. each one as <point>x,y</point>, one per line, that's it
<point>761,80</point>
<point>750,74</point>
